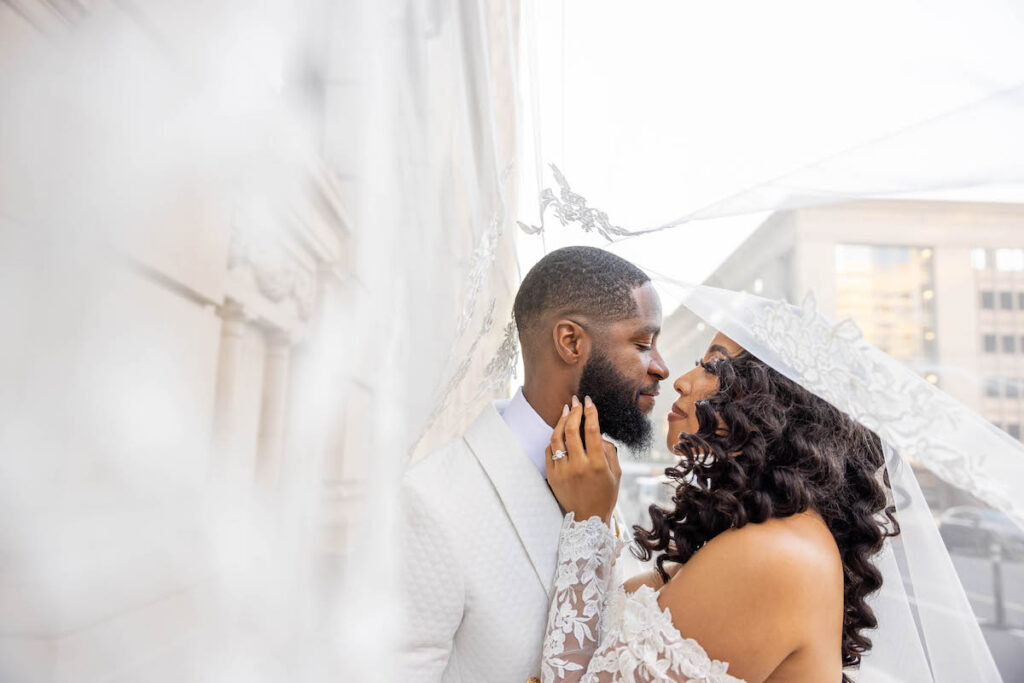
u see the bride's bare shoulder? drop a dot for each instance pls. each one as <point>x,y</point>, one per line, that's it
<point>781,554</point>
<point>778,583</point>
<point>796,546</point>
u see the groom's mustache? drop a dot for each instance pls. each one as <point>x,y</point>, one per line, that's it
<point>651,389</point>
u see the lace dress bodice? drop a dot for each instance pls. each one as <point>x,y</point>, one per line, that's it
<point>598,633</point>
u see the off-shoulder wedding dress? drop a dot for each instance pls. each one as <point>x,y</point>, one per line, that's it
<point>599,633</point>
<point>927,631</point>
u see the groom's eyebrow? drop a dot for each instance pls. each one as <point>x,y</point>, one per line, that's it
<point>649,331</point>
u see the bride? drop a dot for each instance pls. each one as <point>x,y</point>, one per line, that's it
<point>763,565</point>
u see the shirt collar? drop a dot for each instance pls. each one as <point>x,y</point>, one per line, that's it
<point>530,429</point>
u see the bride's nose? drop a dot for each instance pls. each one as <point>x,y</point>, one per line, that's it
<point>682,385</point>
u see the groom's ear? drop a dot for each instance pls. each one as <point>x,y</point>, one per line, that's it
<point>572,344</point>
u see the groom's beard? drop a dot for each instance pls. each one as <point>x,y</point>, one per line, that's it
<point>616,400</point>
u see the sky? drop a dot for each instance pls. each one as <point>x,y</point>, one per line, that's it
<point>655,110</point>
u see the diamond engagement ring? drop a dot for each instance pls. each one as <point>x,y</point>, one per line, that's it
<point>558,455</point>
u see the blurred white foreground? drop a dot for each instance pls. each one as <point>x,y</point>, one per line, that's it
<point>220,222</point>
<point>255,256</point>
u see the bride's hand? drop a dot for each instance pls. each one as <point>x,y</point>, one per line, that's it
<point>586,481</point>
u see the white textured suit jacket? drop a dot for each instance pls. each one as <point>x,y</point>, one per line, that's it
<point>479,543</point>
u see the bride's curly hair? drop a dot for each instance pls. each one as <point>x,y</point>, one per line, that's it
<point>766,447</point>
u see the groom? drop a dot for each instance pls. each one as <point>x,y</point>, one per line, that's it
<point>480,525</point>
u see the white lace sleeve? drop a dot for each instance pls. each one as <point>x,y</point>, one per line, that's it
<point>585,575</point>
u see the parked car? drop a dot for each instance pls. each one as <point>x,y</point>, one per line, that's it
<point>641,485</point>
<point>975,529</point>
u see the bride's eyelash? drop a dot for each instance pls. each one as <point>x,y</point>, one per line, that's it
<point>708,366</point>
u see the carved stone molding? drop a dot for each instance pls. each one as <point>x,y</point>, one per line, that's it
<point>277,275</point>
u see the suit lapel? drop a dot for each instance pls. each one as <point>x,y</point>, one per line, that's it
<point>523,491</point>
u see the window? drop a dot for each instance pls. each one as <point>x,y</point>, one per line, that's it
<point>965,515</point>
<point>890,290</point>
<point>978,260</point>
<point>1012,389</point>
<point>1009,343</point>
<point>1010,259</point>
<point>990,343</point>
<point>993,516</point>
<point>992,387</point>
<point>1013,429</point>
<point>1006,300</point>
<point>988,300</point>
<point>1020,300</point>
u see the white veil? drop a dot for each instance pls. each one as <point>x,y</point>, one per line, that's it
<point>127,130</point>
<point>927,630</point>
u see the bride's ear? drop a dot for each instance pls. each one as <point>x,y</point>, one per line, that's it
<point>572,343</point>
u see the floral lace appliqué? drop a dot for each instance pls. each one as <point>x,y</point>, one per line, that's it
<point>570,207</point>
<point>598,634</point>
<point>834,361</point>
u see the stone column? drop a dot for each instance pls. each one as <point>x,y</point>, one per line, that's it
<point>225,457</point>
<point>273,411</point>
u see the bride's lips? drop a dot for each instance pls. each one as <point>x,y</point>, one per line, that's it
<point>677,413</point>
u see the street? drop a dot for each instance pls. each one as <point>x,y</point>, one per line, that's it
<point>1005,642</point>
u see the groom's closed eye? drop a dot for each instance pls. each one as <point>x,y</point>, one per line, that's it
<point>644,339</point>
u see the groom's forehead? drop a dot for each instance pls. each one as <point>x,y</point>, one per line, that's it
<point>641,325</point>
<point>648,305</point>
<point>646,318</point>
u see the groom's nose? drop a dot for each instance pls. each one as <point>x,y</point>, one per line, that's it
<point>658,368</point>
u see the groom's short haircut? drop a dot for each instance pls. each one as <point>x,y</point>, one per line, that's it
<point>584,281</point>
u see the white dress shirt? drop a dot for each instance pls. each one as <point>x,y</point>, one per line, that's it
<point>530,429</point>
<point>534,436</point>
